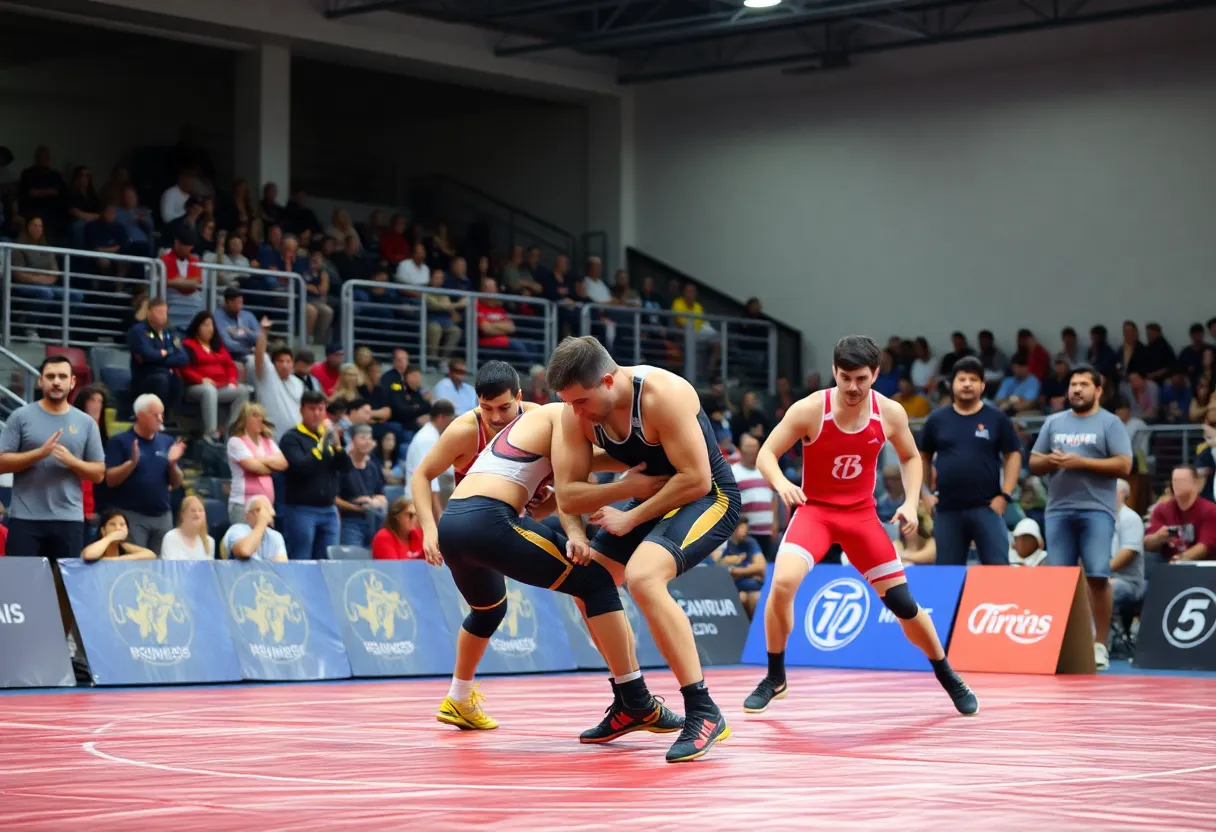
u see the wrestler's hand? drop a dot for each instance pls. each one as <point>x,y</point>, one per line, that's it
<point>907,518</point>
<point>644,486</point>
<point>430,548</point>
<point>578,550</point>
<point>790,494</point>
<point>613,520</point>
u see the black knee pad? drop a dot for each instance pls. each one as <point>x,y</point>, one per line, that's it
<point>900,602</point>
<point>593,585</point>
<point>483,623</point>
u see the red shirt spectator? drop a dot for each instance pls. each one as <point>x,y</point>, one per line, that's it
<point>1187,528</point>
<point>327,376</point>
<point>216,365</point>
<point>387,546</point>
<point>394,247</point>
<point>176,268</point>
<point>492,313</point>
<point>4,541</point>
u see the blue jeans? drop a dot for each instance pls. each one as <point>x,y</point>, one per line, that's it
<point>1081,536</point>
<point>955,529</point>
<point>359,529</point>
<point>310,531</point>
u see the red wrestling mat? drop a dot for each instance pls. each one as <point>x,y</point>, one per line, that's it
<point>846,751</point>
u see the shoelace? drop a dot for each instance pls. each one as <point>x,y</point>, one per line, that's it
<point>766,686</point>
<point>475,700</point>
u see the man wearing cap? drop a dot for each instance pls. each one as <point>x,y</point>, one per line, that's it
<point>328,371</point>
<point>1027,547</point>
<point>237,326</point>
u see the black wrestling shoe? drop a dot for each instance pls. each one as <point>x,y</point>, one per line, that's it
<point>619,721</point>
<point>960,693</point>
<point>701,732</point>
<point>765,692</point>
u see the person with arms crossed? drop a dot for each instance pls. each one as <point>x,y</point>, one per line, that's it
<point>1086,450</point>
<point>978,458</point>
<point>652,420</point>
<point>843,430</point>
<point>488,531</point>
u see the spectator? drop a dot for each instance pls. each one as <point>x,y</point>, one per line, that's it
<point>173,200</point>
<point>184,294</point>
<point>442,251</point>
<point>318,314</point>
<point>444,318</point>
<point>744,558</point>
<point>1033,354</point>
<point>1159,357</point>
<point>113,543</point>
<point>976,455</point>
<point>1137,429</point>
<point>289,253</point>
<point>211,376</point>
<point>155,355</point>
<point>141,470</point>
<point>703,330</point>
<point>415,272</point>
<point>190,223</point>
<point>538,388</point>
<point>922,370</point>
<point>49,447</point>
<point>361,501</point>
<point>749,419</point>
<point>350,262</point>
<point>238,328</point>
<point>1053,396</point>
<point>341,228</point>
<point>36,284</point>
<point>496,330</point>
<point>513,270</point>
<point>1019,393</point>
<point>272,212</point>
<point>254,539</point>
<point>995,362</point>
<point>316,462</point>
<point>388,459</point>
<point>945,367</point>
<point>760,502</point>
<point>92,401</point>
<point>887,380</point>
<point>1027,546</point>
<point>253,457</point>
<point>1205,463</point>
<point>1101,356</point>
<point>910,397</point>
<point>304,361</point>
<point>597,290</point>
<point>1142,395</point>
<point>270,257</point>
<point>1175,397</point>
<point>408,404</point>
<point>189,541</point>
<point>1071,351</point>
<point>298,216</point>
<point>1191,357</point>
<point>1131,358</point>
<point>1086,450</point>
<point>443,413</point>
<point>1127,553</point>
<point>277,389</point>
<point>329,372</point>
<point>401,538</point>
<point>394,247</point>
<point>106,236</point>
<point>455,387</point>
<point>43,193</point>
<point>1182,528</point>
<point>347,388</point>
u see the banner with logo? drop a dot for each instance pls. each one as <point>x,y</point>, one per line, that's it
<point>585,654</point>
<point>1014,619</point>
<point>839,620</point>
<point>708,597</point>
<point>532,636</point>
<point>281,621</point>
<point>150,622</point>
<point>1178,620</point>
<point>33,649</point>
<point>389,617</point>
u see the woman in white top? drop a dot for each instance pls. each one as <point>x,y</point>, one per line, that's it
<point>252,456</point>
<point>923,368</point>
<point>189,541</point>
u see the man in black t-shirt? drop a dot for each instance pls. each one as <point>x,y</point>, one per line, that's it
<point>978,458</point>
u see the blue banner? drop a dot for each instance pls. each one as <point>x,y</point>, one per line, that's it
<point>531,638</point>
<point>33,648</point>
<point>708,597</point>
<point>150,622</point>
<point>839,621</point>
<point>390,619</point>
<point>585,654</point>
<point>281,620</point>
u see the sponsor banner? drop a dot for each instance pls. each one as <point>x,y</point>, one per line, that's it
<point>532,636</point>
<point>389,617</point>
<point>709,599</point>
<point>585,654</point>
<point>33,649</point>
<point>1178,620</point>
<point>1014,619</point>
<point>150,622</point>
<point>839,620</point>
<point>281,621</point>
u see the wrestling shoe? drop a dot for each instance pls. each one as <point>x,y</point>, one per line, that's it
<point>960,693</point>
<point>765,692</point>
<point>618,721</point>
<point>467,716</point>
<point>701,732</point>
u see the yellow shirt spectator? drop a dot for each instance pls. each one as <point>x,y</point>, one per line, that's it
<point>695,308</point>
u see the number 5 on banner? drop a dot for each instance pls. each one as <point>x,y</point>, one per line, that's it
<point>1194,619</point>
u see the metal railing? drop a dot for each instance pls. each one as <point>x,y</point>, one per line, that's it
<point>79,308</point>
<point>280,296</point>
<point>399,317</point>
<point>17,383</point>
<point>737,348</point>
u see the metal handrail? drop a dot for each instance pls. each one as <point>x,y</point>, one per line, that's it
<point>406,291</point>
<point>31,372</point>
<point>296,295</point>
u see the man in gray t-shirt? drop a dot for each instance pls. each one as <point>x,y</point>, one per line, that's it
<point>49,446</point>
<point>1085,450</point>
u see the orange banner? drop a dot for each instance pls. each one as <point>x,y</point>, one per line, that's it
<point>1018,619</point>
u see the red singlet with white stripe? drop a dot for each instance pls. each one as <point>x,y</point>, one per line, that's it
<point>482,440</point>
<point>839,469</point>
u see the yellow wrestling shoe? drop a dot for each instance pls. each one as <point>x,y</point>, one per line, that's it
<point>467,716</point>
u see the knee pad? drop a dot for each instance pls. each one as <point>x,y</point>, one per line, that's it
<point>483,623</point>
<point>900,602</point>
<point>595,587</point>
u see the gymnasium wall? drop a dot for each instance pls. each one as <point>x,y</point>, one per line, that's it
<point>1070,192</point>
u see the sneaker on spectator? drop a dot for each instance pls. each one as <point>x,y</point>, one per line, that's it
<point>1101,656</point>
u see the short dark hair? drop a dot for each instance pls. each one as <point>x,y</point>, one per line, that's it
<point>1086,369</point>
<point>1196,328</point>
<point>336,408</point>
<point>968,364</point>
<point>157,301</point>
<point>281,349</point>
<point>1025,333</point>
<point>958,334</point>
<point>413,368</point>
<point>305,355</point>
<point>582,361</point>
<point>56,359</point>
<point>1099,330</point>
<point>355,404</point>
<point>987,333</point>
<point>310,397</point>
<point>1019,360</point>
<point>495,378</point>
<point>853,352</point>
<point>443,407</point>
<point>1184,467</point>
<point>109,514</point>
<point>1067,331</point>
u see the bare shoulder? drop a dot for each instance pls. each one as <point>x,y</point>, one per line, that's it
<point>551,413</point>
<point>530,406</point>
<point>667,388</point>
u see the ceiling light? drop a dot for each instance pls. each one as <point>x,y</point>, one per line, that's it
<point>761,4</point>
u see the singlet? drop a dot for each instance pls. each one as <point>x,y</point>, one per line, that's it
<point>502,459</point>
<point>839,468</point>
<point>634,449</point>
<point>481,446</point>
